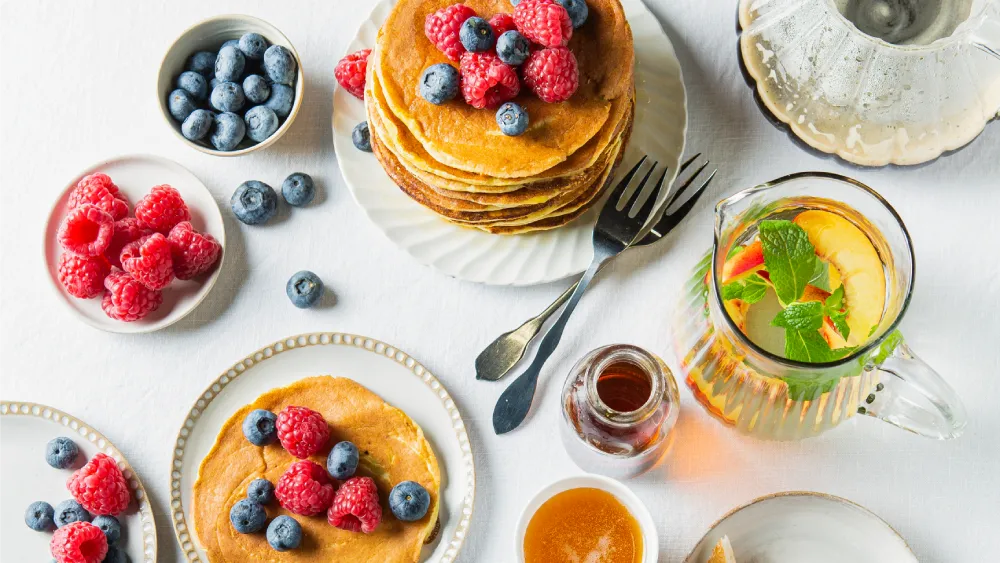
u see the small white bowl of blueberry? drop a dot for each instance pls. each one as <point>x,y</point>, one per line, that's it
<point>230,85</point>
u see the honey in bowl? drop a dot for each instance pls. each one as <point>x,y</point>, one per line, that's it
<point>584,524</point>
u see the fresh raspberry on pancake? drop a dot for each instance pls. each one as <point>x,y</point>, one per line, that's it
<point>79,542</point>
<point>355,506</point>
<point>552,74</point>
<point>304,489</point>
<point>301,431</point>
<point>502,23</point>
<point>487,81</point>
<point>100,486</point>
<point>350,72</point>
<point>98,190</point>
<point>442,29</point>
<point>544,22</point>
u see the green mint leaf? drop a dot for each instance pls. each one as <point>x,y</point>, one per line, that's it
<point>808,386</point>
<point>840,323</point>
<point>754,289</point>
<point>801,317</point>
<point>833,309</point>
<point>735,250</point>
<point>872,331</point>
<point>887,347</point>
<point>807,346</point>
<point>836,299</point>
<point>789,257</point>
<point>821,276</point>
<point>732,290</point>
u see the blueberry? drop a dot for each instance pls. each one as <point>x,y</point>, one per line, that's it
<point>512,119</point>
<point>284,533</point>
<point>180,104</point>
<point>304,289</point>
<point>116,555</point>
<point>234,43</point>
<point>252,45</point>
<point>281,99</point>
<point>342,461</point>
<point>256,89</point>
<point>361,137</point>
<point>229,131</point>
<point>439,83</point>
<point>61,452</point>
<point>298,189</point>
<point>247,516</point>
<point>515,2</point>
<point>409,501</point>
<point>39,516</point>
<point>228,96</point>
<point>279,64</point>
<point>260,490</point>
<point>110,526</point>
<point>259,426</point>
<point>577,10</point>
<point>512,48</point>
<point>229,63</point>
<point>194,84</point>
<point>197,125</point>
<point>254,203</point>
<point>212,83</point>
<point>261,122</point>
<point>476,34</point>
<point>69,511</point>
<point>202,62</point>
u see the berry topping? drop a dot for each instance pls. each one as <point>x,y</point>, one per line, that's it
<point>513,48</point>
<point>577,10</point>
<point>502,23</point>
<point>69,511</point>
<point>247,516</point>
<point>361,137</point>
<point>304,289</point>
<point>476,34</point>
<point>284,533</point>
<point>61,452</point>
<point>260,490</point>
<point>82,276</point>
<point>86,231</point>
<point>304,489</point>
<point>149,261</point>
<point>544,22</point>
<point>439,83</point>
<point>193,253</point>
<point>487,81</point>
<point>512,119</point>
<point>355,507</point>
<point>126,230</point>
<point>409,501</point>
<point>79,542</point>
<point>100,486</point>
<point>98,190</point>
<point>298,189</point>
<point>442,28</point>
<point>302,431</point>
<point>128,300</point>
<point>111,527</point>
<point>350,72</point>
<point>161,209</point>
<point>342,461</point>
<point>259,427</point>
<point>38,516</point>
<point>551,73</point>
<point>254,203</point>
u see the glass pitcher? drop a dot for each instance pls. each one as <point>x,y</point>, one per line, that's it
<point>766,395</point>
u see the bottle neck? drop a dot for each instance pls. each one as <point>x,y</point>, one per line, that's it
<point>635,363</point>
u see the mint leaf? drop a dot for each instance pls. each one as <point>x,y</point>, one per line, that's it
<point>789,257</point>
<point>833,309</point>
<point>836,299</point>
<point>735,250</point>
<point>821,276</point>
<point>755,289</point>
<point>840,323</point>
<point>807,386</point>
<point>809,346</point>
<point>800,316</point>
<point>732,290</point>
<point>887,347</point>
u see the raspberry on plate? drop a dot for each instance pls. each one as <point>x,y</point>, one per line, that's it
<point>552,74</point>
<point>304,488</point>
<point>502,23</point>
<point>355,506</point>
<point>161,209</point>
<point>82,276</point>
<point>301,431</point>
<point>100,487</point>
<point>126,231</point>
<point>544,22</point>
<point>149,260</point>
<point>86,231</point>
<point>98,190</point>
<point>128,300</point>
<point>442,28</point>
<point>350,72</point>
<point>79,542</point>
<point>487,81</point>
<point>193,253</point>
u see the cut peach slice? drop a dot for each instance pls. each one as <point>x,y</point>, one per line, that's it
<point>745,262</point>
<point>845,247</point>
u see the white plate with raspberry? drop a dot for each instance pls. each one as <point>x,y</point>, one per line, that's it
<point>27,430</point>
<point>116,249</point>
<point>529,259</point>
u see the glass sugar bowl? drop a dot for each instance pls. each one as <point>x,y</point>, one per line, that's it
<point>620,404</point>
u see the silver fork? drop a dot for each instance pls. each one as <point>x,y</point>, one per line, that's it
<point>615,230</point>
<point>497,359</point>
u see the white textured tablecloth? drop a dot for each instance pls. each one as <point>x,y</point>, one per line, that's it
<point>78,85</point>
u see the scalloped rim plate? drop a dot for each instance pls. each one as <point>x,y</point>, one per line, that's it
<point>48,423</point>
<point>384,369</point>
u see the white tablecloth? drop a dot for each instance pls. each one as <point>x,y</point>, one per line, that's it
<point>78,85</point>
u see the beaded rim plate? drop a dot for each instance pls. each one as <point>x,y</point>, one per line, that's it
<point>95,442</point>
<point>386,370</point>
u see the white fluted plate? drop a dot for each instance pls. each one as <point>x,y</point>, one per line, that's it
<point>469,254</point>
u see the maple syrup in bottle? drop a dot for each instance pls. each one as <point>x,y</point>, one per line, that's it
<point>620,404</point>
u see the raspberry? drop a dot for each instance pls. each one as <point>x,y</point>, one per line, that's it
<point>304,489</point>
<point>355,506</point>
<point>126,231</point>
<point>161,209</point>
<point>99,191</point>
<point>193,253</point>
<point>86,231</point>
<point>79,542</point>
<point>350,72</point>
<point>100,486</point>
<point>487,81</point>
<point>502,23</point>
<point>552,74</point>
<point>128,300</point>
<point>442,27</point>
<point>81,276</point>
<point>149,260</point>
<point>301,431</point>
<point>544,22</point>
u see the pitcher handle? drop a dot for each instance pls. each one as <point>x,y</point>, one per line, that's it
<point>986,37</point>
<point>912,396</point>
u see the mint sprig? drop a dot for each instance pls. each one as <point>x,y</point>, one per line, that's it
<point>810,346</point>
<point>834,308</point>
<point>750,290</point>
<point>789,257</point>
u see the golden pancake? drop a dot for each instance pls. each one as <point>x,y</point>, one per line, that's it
<point>393,449</point>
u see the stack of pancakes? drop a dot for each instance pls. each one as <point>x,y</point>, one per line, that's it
<point>453,158</point>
